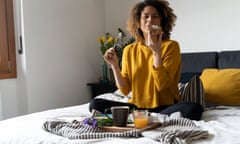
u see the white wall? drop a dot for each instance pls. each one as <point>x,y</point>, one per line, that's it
<point>8,101</point>
<point>61,51</point>
<point>117,12</point>
<point>1,111</point>
<point>207,25</point>
<point>8,95</point>
<point>61,54</point>
<point>201,25</point>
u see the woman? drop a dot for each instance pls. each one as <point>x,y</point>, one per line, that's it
<point>151,66</point>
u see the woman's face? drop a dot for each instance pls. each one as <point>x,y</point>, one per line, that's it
<point>149,17</point>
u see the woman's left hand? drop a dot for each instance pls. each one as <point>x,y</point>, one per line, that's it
<point>154,42</point>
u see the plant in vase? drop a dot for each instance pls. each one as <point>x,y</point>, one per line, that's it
<point>107,41</point>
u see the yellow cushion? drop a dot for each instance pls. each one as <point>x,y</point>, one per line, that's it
<point>221,86</point>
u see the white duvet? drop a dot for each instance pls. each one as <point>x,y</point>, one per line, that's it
<point>223,124</point>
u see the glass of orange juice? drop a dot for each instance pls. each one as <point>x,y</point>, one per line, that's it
<point>140,118</point>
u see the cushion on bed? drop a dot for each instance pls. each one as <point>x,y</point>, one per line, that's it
<point>192,91</point>
<point>221,86</point>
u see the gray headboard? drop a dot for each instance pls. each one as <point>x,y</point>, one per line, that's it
<point>194,63</point>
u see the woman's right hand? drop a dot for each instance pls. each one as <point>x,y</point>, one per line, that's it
<point>111,57</point>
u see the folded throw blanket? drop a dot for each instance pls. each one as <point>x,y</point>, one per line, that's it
<point>171,131</point>
<point>177,131</point>
<point>78,130</point>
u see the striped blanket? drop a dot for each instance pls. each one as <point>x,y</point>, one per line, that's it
<point>172,131</point>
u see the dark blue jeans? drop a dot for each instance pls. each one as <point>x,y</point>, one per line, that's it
<point>189,110</point>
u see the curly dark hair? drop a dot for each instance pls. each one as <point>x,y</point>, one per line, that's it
<point>165,12</point>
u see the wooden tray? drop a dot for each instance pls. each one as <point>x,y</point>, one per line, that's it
<point>130,127</point>
<point>118,129</point>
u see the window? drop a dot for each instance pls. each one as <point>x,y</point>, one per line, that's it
<point>7,41</point>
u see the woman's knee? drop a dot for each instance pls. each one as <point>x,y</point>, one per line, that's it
<point>189,110</point>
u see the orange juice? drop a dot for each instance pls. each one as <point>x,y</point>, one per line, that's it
<point>140,122</point>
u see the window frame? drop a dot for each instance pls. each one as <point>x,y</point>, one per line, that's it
<point>7,41</point>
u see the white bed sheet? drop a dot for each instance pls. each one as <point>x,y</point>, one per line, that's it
<point>223,123</point>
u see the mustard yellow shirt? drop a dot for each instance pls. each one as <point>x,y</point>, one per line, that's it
<point>151,87</point>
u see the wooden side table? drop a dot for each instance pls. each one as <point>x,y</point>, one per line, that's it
<point>100,88</point>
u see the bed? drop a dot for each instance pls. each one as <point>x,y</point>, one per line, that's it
<point>220,121</point>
